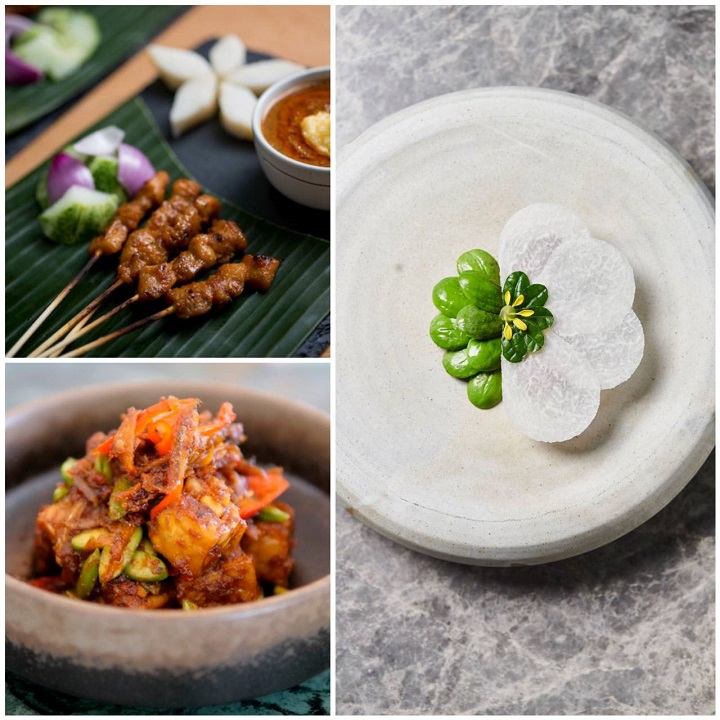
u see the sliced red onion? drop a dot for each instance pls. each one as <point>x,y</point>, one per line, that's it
<point>16,25</point>
<point>19,72</point>
<point>65,172</point>
<point>101,142</point>
<point>135,169</point>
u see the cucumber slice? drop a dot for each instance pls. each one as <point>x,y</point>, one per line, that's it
<point>105,174</point>
<point>88,575</point>
<point>61,44</point>
<point>79,542</point>
<point>78,216</point>
<point>78,30</point>
<point>146,568</point>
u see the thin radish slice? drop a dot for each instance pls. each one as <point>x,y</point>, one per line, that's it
<point>590,286</point>
<point>532,234</point>
<point>102,142</point>
<point>552,395</point>
<point>615,353</point>
<point>227,54</point>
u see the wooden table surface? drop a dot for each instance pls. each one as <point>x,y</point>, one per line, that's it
<point>299,33</point>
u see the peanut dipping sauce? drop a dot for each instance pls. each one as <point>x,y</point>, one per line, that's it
<point>282,124</point>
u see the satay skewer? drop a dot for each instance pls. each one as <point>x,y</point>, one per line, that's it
<point>195,299</point>
<point>205,251</point>
<point>170,226</point>
<point>128,217</point>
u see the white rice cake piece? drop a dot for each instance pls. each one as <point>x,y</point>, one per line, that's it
<point>177,66</point>
<point>259,76</point>
<point>195,102</point>
<point>237,105</point>
<point>227,55</point>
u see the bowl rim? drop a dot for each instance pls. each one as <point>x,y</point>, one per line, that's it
<point>305,593</point>
<point>265,100</point>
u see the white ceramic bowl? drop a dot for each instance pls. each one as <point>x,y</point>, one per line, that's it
<point>306,184</point>
<point>168,658</point>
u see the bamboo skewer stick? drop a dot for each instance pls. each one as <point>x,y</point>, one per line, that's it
<point>81,328</point>
<point>48,310</point>
<point>118,333</point>
<point>88,310</point>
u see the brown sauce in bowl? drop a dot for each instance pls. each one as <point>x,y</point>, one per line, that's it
<point>282,124</point>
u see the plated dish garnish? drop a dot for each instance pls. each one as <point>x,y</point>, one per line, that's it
<point>552,373</point>
<point>166,512</point>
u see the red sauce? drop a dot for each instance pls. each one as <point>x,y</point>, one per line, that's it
<point>282,124</point>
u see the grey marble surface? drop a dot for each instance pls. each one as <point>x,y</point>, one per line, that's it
<point>629,628</point>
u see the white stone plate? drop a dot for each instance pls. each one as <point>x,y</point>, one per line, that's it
<point>415,460</point>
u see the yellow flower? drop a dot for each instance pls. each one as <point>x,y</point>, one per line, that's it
<point>511,317</point>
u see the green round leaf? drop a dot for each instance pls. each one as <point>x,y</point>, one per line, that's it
<point>484,355</point>
<point>515,349</point>
<point>479,324</point>
<point>483,292</point>
<point>444,333</point>
<point>448,297</point>
<point>542,318</point>
<point>458,365</point>
<point>479,261</point>
<point>485,390</point>
<point>535,296</point>
<point>516,284</point>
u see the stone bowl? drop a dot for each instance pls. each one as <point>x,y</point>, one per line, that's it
<point>169,658</point>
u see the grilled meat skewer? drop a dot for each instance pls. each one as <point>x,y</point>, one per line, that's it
<point>254,272</point>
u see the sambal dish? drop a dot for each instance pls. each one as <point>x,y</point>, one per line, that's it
<point>166,512</point>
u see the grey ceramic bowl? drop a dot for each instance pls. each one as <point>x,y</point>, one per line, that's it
<point>168,657</point>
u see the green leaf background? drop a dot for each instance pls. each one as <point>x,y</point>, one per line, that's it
<point>123,28</point>
<point>255,325</point>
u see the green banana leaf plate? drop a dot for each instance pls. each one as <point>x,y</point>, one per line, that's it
<point>123,28</point>
<point>254,325</point>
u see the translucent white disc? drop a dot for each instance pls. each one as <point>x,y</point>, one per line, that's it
<point>533,233</point>
<point>552,395</point>
<point>590,286</point>
<point>615,352</point>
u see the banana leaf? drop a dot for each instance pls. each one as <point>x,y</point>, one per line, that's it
<point>123,28</point>
<point>254,325</point>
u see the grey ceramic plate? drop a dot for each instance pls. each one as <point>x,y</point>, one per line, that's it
<point>168,658</point>
<point>415,460</point>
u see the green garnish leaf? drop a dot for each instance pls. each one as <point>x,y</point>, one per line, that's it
<point>485,390</point>
<point>479,261</point>
<point>445,333</point>
<point>516,284</point>
<point>483,292</point>
<point>479,324</point>
<point>524,317</point>
<point>448,297</point>
<point>458,364</point>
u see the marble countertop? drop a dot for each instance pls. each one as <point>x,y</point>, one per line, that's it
<point>626,629</point>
